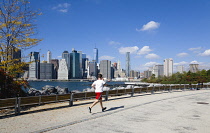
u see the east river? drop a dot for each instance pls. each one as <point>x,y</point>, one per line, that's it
<point>80,86</point>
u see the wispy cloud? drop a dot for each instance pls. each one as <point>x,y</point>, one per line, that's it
<point>132,50</point>
<point>149,26</point>
<point>205,53</point>
<point>195,50</point>
<point>181,63</point>
<point>150,64</point>
<point>106,57</point>
<point>144,50</point>
<point>152,56</point>
<point>62,7</point>
<point>182,54</point>
<point>114,43</point>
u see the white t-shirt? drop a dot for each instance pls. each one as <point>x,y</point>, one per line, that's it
<point>99,84</point>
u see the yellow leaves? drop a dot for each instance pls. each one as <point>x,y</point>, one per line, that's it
<point>7,35</point>
<point>26,25</point>
<point>3,25</point>
<point>18,22</point>
<point>40,13</point>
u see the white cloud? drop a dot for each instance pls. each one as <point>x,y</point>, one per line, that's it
<point>150,64</point>
<point>106,58</point>
<point>205,53</point>
<point>181,63</point>
<point>182,54</point>
<point>62,7</point>
<point>193,49</point>
<point>149,26</point>
<point>114,43</point>
<point>132,50</point>
<point>152,56</point>
<point>144,50</point>
<point>194,62</point>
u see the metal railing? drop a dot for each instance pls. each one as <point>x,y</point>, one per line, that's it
<point>18,102</point>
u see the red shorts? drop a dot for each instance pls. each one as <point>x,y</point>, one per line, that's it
<point>98,95</point>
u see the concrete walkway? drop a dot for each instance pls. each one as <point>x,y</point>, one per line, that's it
<point>176,112</point>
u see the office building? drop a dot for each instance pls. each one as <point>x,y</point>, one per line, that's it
<point>55,62</point>
<point>147,74</point>
<point>46,70</point>
<point>127,64</point>
<point>158,70</point>
<point>180,69</point>
<point>66,56</point>
<point>105,69</point>
<point>194,68</point>
<point>63,70</point>
<point>34,66</point>
<point>49,56</point>
<point>168,67</point>
<point>95,57</point>
<point>75,65</point>
<point>92,69</point>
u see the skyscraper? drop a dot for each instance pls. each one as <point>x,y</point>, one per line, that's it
<point>127,64</point>
<point>63,70</point>
<point>158,70</point>
<point>105,68</point>
<point>34,66</point>
<point>194,68</point>
<point>75,65</point>
<point>66,56</point>
<point>49,56</point>
<point>95,57</point>
<point>168,67</point>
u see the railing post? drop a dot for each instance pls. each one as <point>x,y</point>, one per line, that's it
<point>107,95</point>
<point>71,99</point>
<point>152,91</point>
<point>17,108</point>
<point>170,89</point>
<point>56,98</point>
<point>40,99</point>
<point>132,91</point>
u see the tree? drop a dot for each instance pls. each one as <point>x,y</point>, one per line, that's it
<point>17,30</point>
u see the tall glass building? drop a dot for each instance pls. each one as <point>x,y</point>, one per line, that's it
<point>66,56</point>
<point>127,64</point>
<point>75,65</point>
<point>95,57</point>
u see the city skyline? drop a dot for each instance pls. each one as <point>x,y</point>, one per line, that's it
<point>150,30</point>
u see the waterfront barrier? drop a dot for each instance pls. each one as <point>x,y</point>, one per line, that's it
<point>19,102</point>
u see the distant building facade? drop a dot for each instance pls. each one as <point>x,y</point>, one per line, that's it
<point>34,66</point>
<point>63,70</point>
<point>158,70</point>
<point>128,64</point>
<point>46,70</point>
<point>168,67</point>
<point>180,69</point>
<point>105,68</point>
<point>75,65</point>
<point>194,68</point>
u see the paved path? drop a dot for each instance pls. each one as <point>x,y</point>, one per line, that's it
<point>176,112</point>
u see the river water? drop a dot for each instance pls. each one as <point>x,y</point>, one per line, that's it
<point>80,86</point>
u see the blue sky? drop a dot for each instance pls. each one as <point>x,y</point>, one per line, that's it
<point>152,30</point>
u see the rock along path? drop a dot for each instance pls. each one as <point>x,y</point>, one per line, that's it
<point>176,112</point>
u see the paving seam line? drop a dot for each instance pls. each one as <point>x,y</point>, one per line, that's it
<point>106,114</point>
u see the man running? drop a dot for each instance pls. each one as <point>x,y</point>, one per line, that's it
<point>98,86</point>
